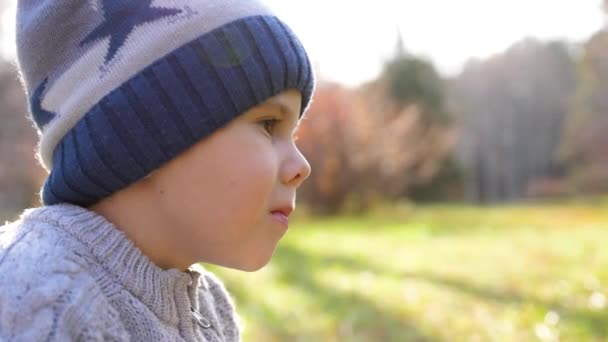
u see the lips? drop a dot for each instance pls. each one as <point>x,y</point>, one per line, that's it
<point>286,211</point>
<point>281,218</point>
<point>282,215</point>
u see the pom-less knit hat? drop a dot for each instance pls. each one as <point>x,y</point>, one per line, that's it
<point>119,87</point>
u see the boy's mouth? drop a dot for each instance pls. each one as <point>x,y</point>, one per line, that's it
<point>279,216</point>
<point>285,211</point>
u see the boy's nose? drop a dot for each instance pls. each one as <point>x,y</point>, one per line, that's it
<point>296,168</point>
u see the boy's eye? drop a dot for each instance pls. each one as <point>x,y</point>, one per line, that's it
<point>269,124</point>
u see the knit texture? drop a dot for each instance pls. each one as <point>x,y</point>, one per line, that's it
<point>119,88</point>
<point>68,274</point>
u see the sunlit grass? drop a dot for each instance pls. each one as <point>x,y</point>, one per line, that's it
<point>434,273</point>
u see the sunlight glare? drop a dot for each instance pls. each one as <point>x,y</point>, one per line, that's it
<point>8,48</point>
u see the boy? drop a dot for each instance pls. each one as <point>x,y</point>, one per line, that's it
<point>168,130</point>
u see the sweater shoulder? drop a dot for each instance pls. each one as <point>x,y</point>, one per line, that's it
<point>32,252</point>
<point>46,290</point>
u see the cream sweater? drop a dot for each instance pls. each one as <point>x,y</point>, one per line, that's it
<point>68,274</point>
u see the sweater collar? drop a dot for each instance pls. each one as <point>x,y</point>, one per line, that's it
<point>165,292</point>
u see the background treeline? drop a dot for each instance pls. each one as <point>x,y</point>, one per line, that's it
<point>531,122</point>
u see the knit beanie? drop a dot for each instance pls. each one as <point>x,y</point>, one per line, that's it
<point>117,88</point>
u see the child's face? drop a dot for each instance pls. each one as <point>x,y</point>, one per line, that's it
<point>217,199</point>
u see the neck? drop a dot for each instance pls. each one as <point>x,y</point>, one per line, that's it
<point>133,215</point>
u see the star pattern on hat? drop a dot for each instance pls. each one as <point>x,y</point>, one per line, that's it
<point>121,18</point>
<point>41,117</point>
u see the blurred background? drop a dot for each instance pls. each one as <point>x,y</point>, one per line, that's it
<point>460,174</point>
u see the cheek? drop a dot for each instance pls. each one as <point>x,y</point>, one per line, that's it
<point>222,185</point>
<point>247,180</point>
<point>232,192</point>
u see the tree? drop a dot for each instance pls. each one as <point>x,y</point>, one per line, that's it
<point>324,139</point>
<point>412,80</point>
<point>585,139</point>
<point>362,150</point>
<point>20,174</point>
<point>512,108</point>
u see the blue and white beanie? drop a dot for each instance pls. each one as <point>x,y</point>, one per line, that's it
<point>119,87</point>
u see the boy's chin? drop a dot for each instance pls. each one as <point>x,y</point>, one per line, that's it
<point>251,267</point>
<point>247,264</point>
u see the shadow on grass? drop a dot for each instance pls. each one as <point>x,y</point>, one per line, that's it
<point>594,322</point>
<point>374,323</point>
<point>272,322</point>
<point>296,269</point>
<point>357,318</point>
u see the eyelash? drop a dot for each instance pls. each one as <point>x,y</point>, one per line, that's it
<point>274,122</point>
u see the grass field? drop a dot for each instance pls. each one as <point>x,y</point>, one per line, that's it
<point>434,273</point>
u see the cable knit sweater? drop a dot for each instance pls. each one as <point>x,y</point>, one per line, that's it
<point>68,274</point>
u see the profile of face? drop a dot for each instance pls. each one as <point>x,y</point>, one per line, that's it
<point>218,202</point>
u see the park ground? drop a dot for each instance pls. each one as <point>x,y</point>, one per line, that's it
<point>527,272</point>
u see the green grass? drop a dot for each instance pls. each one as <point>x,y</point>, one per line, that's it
<point>434,273</point>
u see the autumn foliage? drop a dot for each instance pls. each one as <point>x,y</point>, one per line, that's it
<point>364,148</point>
